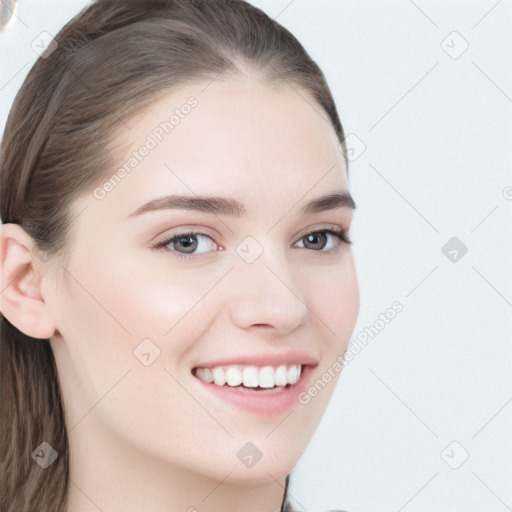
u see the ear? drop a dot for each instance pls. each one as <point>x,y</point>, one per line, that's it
<point>21,271</point>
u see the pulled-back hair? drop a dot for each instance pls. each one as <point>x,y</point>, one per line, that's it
<point>112,60</point>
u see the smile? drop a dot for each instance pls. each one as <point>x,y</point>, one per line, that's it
<point>251,377</point>
<point>264,390</point>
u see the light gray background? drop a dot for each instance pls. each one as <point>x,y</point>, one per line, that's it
<point>432,160</point>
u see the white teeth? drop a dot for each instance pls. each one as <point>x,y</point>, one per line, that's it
<point>266,377</point>
<point>292,374</point>
<point>280,376</point>
<point>295,376</point>
<point>250,377</point>
<point>233,376</point>
<point>205,374</point>
<point>219,377</point>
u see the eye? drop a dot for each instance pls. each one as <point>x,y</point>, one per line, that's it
<point>326,240</point>
<point>188,244</point>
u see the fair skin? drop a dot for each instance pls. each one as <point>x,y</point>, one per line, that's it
<point>155,438</point>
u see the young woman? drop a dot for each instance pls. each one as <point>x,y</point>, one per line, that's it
<point>178,287</point>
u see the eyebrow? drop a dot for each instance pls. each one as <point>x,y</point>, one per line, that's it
<point>232,207</point>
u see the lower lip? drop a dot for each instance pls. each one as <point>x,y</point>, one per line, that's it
<point>262,403</point>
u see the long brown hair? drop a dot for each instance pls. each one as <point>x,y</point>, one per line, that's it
<point>111,61</point>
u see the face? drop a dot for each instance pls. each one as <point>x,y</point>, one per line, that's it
<point>255,286</point>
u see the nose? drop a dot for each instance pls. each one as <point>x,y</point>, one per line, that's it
<point>265,294</point>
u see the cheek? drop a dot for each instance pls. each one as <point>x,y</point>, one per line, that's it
<point>148,298</point>
<point>334,298</point>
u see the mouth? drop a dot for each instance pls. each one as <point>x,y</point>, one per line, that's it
<point>264,391</point>
<point>261,379</point>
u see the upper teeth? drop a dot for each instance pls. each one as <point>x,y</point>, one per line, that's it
<point>251,376</point>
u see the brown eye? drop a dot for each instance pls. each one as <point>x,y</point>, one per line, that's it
<point>326,238</point>
<point>316,241</point>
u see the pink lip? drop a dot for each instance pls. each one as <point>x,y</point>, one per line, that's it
<point>269,359</point>
<point>261,403</point>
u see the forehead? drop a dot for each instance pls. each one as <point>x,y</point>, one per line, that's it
<point>244,139</point>
<point>243,123</point>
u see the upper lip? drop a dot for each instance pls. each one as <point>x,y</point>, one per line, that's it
<point>264,359</point>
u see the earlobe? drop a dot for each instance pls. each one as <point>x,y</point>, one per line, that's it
<point>21,300</point>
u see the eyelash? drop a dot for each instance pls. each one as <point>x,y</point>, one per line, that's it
<point>341,234</point>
